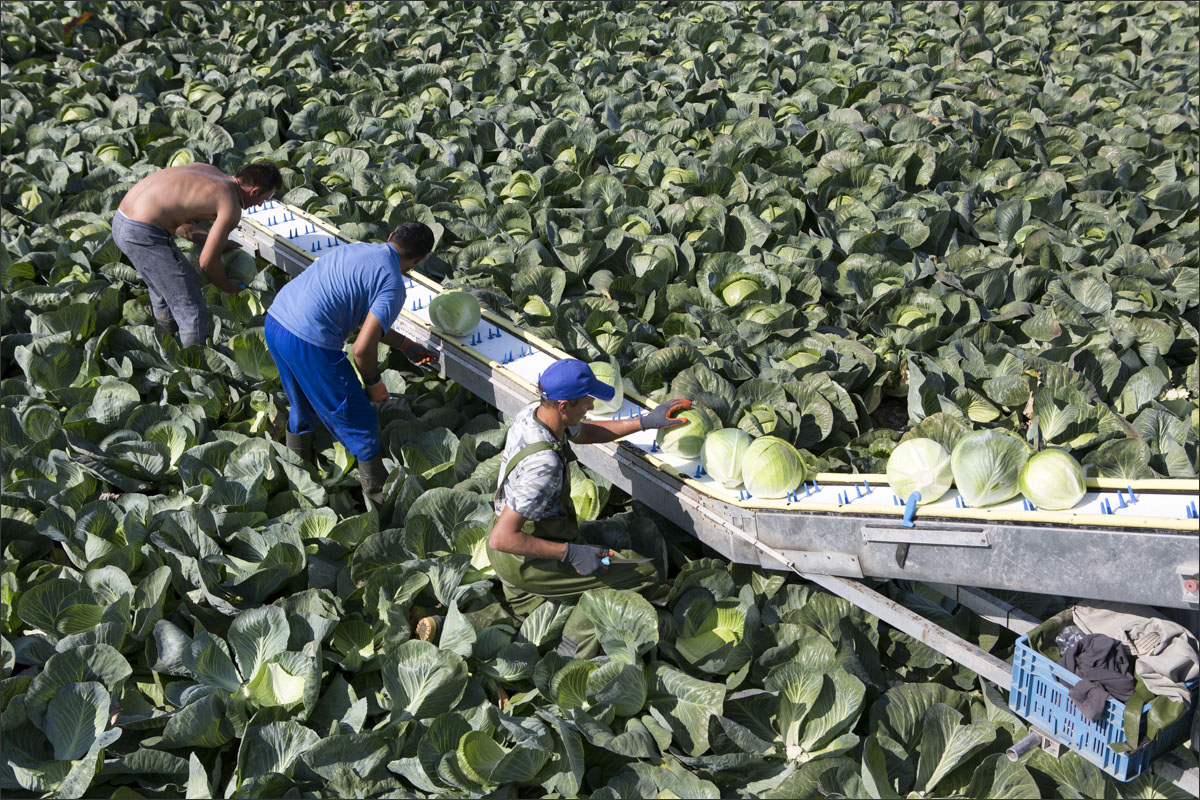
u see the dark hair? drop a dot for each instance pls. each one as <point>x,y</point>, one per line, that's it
<point>414,238</point>
<point>263,174</point>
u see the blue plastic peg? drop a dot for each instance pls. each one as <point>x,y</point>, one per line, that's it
<point>858,490</point>
<point>1028,505</point>
<point>697,475</point>
<point>807,491</point>
<point>910,509</point>
<point>654,446</point>
<point>896,500</point>
<point>867,487</point>
<point>816,486</point>
<point>1121,499</point>
<point>1132,498</point>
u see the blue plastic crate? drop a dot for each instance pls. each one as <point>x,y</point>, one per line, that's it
<point>1039,694</point>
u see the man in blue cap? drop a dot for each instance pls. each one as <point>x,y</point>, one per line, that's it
<point>535,544</point>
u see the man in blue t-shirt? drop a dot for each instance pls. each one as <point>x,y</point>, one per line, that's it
<point>355,286</point>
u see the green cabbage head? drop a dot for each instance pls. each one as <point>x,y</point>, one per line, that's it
<point>685,441</point>
<point>771,468</point>
<point>722,455</point>
<point>920,465</point>
<point>608,372</point>
<point>240,266</point>
<point>987,467</point>
<point>455,313</point>
<point>1053,479</point>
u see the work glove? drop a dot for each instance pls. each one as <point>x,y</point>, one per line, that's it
<point>664,414</point>
<point>585,558</point>
<point>418,355</point>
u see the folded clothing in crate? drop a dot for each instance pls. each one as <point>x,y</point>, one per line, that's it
<point>1165,651</point>
<point>1106,668</point>
<point>1165,659</point>
<point>1123,743</point>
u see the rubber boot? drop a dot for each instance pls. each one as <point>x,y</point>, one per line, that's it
<point>166,327</point>
<point>371,476</point>
<point>301,444</point>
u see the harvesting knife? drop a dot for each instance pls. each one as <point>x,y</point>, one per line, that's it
<point>610,560</point>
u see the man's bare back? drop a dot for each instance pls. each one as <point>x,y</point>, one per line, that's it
<point>177,195</point>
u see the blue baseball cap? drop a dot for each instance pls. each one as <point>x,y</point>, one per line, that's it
<point>570,379</point>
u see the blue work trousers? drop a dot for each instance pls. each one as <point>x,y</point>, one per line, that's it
<point>321,385</point>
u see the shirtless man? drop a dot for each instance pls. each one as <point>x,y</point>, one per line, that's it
<point>168,202</point>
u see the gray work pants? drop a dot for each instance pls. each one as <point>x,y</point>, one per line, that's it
<point>175,286</point>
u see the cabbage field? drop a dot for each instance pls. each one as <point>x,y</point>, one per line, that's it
<point>842,225</point>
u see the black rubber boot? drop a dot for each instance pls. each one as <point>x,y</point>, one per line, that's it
<point>167,327</point>
<point>371,476</point>
<point>301,444</point>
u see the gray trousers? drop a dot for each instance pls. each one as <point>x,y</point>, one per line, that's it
<point>175,288</point>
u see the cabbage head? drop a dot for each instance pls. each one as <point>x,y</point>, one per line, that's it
<point>686,441</point>
<point>771,468</point>
<point>987,467</point>
<point>1053,479</point>
<point>919,465</point>
<point>722,455</point>
<point>455,313</point>
<point>240,266</point>
<point>608,372</point>
<point>181,157</point>
<point>737,287</point>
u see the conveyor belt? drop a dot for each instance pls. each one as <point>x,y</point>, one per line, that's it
<point>1124,541</point>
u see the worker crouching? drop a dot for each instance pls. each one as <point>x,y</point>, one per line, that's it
<point>535,544</point>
